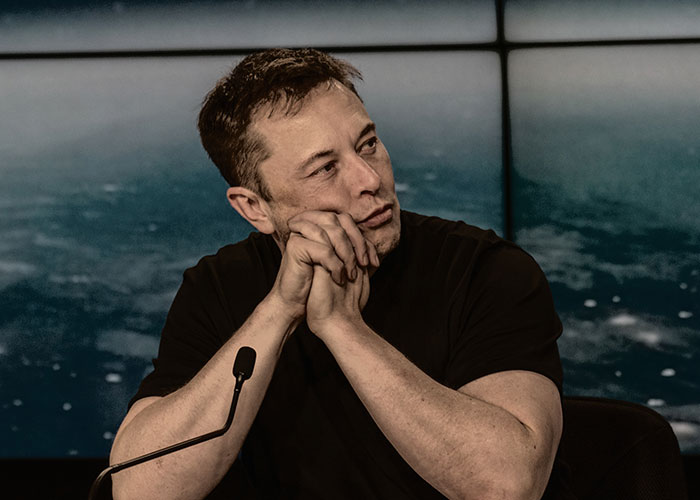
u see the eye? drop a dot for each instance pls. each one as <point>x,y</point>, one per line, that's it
<point>370,145</point>
<point>324,170</point>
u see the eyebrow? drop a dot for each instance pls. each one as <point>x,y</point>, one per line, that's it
<point>370,127</point>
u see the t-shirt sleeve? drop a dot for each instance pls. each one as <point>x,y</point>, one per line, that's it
<point>192,334</point>
<point>503,318</point>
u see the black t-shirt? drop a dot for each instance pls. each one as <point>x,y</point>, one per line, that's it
<point>457,301</point>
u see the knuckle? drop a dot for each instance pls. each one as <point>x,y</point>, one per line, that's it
<point>337,232</point>
<point>298,218</point>
<point>345,218</point>
<point>317,231</point>
<point>330,218</point>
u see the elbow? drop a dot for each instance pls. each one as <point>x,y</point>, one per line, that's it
<point>501,483</point>
<point>118,492</point>
<point>121,488</point>
<point>118,482</point>
<point>498,490</point>
<point>526,482</point>
<point>525,487</point>
<point>529,484</point>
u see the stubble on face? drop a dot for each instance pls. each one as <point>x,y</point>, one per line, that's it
<point>281,132</point>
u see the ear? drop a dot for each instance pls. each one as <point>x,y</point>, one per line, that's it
<point>251,207</point>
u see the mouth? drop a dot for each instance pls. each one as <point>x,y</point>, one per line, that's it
<point>377,218</point>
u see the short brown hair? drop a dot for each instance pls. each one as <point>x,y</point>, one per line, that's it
<point>271,77</point>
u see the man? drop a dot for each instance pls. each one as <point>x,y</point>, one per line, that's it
<point>398,356</point>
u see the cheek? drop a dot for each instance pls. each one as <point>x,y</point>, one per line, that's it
<point>289,200</point>
<point>383,162</point>
<point>387,176</point>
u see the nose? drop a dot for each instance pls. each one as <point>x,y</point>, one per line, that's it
<point>364,178</point>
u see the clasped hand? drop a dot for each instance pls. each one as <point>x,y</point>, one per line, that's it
<point>325,267</point>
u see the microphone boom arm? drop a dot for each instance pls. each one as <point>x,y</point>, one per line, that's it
<point>243,369</point>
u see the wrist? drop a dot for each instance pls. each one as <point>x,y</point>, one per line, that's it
<point>337,328</point>
<point>275,308</point>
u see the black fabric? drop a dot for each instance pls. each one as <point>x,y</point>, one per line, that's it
<point>459,302</point>
<point>620,450</point>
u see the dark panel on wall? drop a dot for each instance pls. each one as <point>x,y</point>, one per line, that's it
<point>530,20</point>
<point>124,25</point>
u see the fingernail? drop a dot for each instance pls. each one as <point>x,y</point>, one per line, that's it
<point>353,273</point>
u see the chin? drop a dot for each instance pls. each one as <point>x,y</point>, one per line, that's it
<point>387,238</point>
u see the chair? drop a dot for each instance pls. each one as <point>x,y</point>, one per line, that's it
<point>620,450</point>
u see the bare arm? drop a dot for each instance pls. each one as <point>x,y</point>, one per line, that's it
<point>495,437</point>
<point>202,405</point>
<point>199,407</point>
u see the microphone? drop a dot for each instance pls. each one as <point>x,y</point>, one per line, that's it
<point>244,363</point>
<point>242,370</point>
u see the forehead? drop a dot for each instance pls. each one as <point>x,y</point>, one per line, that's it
<point>325,114</point>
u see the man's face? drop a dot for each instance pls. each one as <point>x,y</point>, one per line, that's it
<point>328,157</point>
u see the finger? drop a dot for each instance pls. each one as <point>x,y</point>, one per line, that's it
<point>312,253</point>
<point>356,238</point>
<point>325,228</point>
<point>343,247</point>
<point>374,256</point>
<point>318,217</point>
<point>310,230</point>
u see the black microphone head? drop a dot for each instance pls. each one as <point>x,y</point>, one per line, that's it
<point>245,361</point>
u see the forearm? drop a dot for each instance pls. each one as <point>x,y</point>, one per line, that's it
<point>461,445</point>
<point>199,407</point>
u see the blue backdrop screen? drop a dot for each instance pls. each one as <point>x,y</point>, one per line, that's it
<point>106,195</point>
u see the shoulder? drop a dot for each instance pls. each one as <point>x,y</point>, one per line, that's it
<point>462,259</point>
<point>433,225</point>
<point>221,290</point>
<point>464,246</point>
<point>436,232</point>
<point>234,279</point>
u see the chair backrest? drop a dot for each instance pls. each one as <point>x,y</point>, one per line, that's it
<point>620,450</point>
